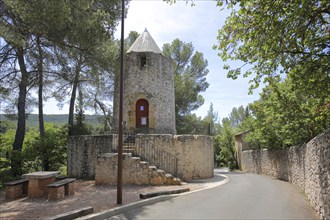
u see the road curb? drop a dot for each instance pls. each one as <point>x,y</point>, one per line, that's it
<point>125,208</point>
<point>163,192</point>
<point>73,214</point>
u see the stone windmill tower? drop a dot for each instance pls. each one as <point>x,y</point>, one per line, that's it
<point>149,102</point>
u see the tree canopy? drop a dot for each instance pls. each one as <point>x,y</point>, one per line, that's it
<point>285,116</point>
<point>190,70</point>
<point>286,45</point>
<point>43,42</point>
<point>278,37</point>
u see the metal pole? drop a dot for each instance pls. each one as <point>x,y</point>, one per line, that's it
<point>121,94</point>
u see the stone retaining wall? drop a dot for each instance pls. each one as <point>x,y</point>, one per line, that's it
<point>308,166</point>
<point>83,151</point>
<point>194,153</point>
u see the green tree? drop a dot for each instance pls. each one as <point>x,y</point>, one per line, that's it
<point>237,116</point>
<point>33,149</point>
<point>55,141</point>
<point>277,37</point>
<point>212,121</point>
<point>285,116</point>
<point>132,36</point>
<point>287,44</point>
<point>192,124</point>
<point>190,70</point>
<point>224,145</point>
<point>65,24</point>
<point>13,49</point>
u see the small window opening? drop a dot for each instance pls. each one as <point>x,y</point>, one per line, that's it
<point>143,61</point>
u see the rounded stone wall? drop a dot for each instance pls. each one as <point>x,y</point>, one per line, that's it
<point>153,82</point>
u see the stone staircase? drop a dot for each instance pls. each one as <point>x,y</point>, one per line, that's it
<point>156,176</point>
<point>142,172</point>
<point>128,144</point>
<point>135,171</point>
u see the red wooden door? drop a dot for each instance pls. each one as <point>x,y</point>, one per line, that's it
<point>142,113</point>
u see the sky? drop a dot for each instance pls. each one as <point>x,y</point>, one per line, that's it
<point>199,25</point>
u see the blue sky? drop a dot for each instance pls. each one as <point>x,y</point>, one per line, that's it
<point>199,25</point>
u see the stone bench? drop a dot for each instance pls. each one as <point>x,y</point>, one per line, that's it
<point>16,189</point>
<point>59,189</point>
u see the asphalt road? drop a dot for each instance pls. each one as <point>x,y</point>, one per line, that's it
<point>245,196</point>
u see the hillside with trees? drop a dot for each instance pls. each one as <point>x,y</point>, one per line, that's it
<point>32,120</point>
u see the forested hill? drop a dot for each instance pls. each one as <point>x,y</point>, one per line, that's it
<point>32,119</point>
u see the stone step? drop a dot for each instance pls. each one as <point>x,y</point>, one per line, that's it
<point>157,176</point>
<point>137,159</point>
<point>144,164</point>
<point>130,139</point>
<point>171,180</point>
<point>170,176</point>
<point>131,147</point>
<point>161,172</point>
<point>153,168</point>
<point>142,172</point>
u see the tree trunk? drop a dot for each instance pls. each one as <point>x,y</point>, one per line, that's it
<point>73,97</point>
<point>43,148</point>
<point>16,161</point>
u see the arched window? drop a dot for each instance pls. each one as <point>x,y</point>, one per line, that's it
<point>142,113</point>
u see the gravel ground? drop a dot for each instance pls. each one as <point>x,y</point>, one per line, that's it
<point>86,194</point>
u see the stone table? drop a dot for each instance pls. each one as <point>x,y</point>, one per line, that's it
<point>38,182</point>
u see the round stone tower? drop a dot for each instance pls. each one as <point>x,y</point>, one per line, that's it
<point>149,102</point>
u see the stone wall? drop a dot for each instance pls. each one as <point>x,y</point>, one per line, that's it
<point>154,83</point>
<point>308,166</point>
<point>83,151</point>
<point>135,171</point>
<point>194,153</point>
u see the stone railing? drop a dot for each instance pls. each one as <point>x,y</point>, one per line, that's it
<point>307,166</point>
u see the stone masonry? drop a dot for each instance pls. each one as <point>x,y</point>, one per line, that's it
<point>83,151</point>
<point>135,171</point>
<point>194,153</point>
<point>153,82</point>
<point>307,166</point>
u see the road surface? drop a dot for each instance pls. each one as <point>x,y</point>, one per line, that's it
<point>245,196</point>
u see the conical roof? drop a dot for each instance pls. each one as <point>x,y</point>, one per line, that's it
<point>144,43</point>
